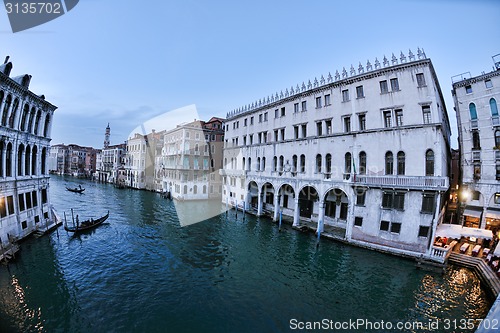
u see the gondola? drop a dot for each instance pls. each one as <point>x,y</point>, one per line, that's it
<point>76,189</point>
<point>87,224</point>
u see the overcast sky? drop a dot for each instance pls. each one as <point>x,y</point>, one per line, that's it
<point>125,62</point>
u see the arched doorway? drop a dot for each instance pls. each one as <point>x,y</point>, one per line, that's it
<point>336,205</point>
<point>268,196</point>
<point>308,195</point>
<point>253,195</point>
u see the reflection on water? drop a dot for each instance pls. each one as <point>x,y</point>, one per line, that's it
<point>141,271</point>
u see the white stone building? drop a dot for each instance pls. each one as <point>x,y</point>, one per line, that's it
<point>25,128</point>
<point>191,160</point>
<point>364,153</point>
<point>476,105</point>
<point>142,151</point>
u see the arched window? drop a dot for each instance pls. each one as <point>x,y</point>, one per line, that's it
<point>401,163</point>
<point>37,122</point>
<point>275,163</point>
<point>362,163</point>
<point>44,160</point>
<point>8,160</point>
<point>27,161</point>
<point>33,161</point>
<point>20,153</point>
<point>294,163</point>
<point>185,189</point>
<point>328,160</point>
<point>493,107</point>
<point>204,189</point>
<point>26,111</point>
<point>195,189</point>
<point>12,117</point>
<point>472,110</point>
<point>30,121</point>
<point>429,163</point>
<point>318,163</point>
<point>476,142</point>
<point>244,163</point>
<point>263,167</point>
<point>347,162</point>
<point>2,146</point>
<point>497,138</point>
<point>282,162</point>
<point>389,163</point>
<point>5,112</point>
<point>302,163</point>
<point>258,164</point>
<point>249,164</point>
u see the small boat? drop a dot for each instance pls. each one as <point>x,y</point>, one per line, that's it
<point>76,189</point>
<point>87,224</point>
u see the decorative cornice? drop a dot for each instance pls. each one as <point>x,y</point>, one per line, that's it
<point>338,80</point>
<point>476,79</point>
<point>24,93</point>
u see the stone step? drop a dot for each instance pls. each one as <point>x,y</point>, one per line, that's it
<point>479,265</point>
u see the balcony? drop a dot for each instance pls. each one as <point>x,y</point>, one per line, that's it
<point>404,182</point>
<point>495,121</point>
<point>473,124</point>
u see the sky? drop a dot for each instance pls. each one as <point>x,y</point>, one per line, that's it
<point>124,62</point>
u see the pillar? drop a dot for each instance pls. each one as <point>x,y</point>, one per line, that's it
<point>321,217</point>
<point>276,207</point>
<point>296,211</point>
<point>259,204</point>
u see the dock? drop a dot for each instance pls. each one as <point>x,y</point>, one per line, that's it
<point>482,270</point>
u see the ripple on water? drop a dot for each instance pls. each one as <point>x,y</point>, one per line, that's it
<point>142,272</point>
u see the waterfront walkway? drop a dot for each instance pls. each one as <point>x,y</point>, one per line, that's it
<point>481,268</point>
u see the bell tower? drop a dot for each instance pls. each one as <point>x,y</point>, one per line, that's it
<point>106,137</point>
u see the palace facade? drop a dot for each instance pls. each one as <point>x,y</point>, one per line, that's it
<point>363,155</point>
<point>476,105</point>
<point>191,160</point>
<point>25,128</point>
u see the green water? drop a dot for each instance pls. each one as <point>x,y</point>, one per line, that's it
<point>142,272</point>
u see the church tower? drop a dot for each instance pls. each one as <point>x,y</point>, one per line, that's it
<point>106,137</point>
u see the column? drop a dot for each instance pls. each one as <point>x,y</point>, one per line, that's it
<point>321,217</point>
<point>276,207</point>
<point>259,204</point>
<point>296,211</point>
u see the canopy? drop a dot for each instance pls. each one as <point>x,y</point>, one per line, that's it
<point>493,214</point>
<point>472,213</point>
<point>457,231</point>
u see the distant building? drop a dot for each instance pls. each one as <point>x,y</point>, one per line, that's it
<point>476,105</point>
<point>142,151</point>
<point>72,160</point>
<point>363,155</point>
<point>25,128</point>
<point>191,159</point>
<point>111,166</point>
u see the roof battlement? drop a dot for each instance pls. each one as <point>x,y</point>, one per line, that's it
<point>338,77</point>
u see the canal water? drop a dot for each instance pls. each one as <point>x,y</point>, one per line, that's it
<point>142,272</point>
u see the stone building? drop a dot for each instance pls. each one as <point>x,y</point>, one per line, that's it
<point>25,128</point>
<point>363,154</point>
<point>476,105</point>
<point>191,159</point>
<point>142,151</point>
<point>110,161</point>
